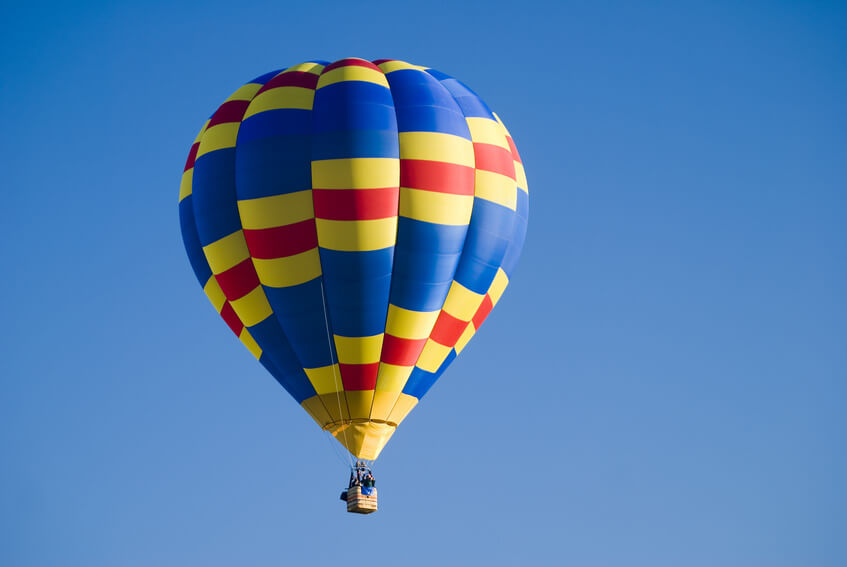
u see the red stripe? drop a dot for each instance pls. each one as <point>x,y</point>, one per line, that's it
<point>359,376</point>
<point>232,111</point>
<point>356,204</point>
<point>381,61</point>
<point>231,319</point>
<point>239,280</point>
<point>282,241</point>
<point>437,176</point>
<point>399,351</point>
<point>514,149</point>
<point>292,79</point>
<point>447,329</point>
<point>494,158</point>
<point>192,155</point>
<point>349,62</point>
<point>483,311</point>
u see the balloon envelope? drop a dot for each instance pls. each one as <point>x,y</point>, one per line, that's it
<point>354,223</point>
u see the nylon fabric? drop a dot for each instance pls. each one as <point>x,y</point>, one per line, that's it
<point>354,223</point>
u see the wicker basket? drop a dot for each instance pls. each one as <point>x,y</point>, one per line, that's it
<point>359,503</point>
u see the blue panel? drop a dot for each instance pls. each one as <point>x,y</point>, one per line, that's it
<point>435,120</point>
<point>353,105</point>
<point>510,260</point>
<point>350,294</point>
<point>438,74</point>
<point>469,101</point>
<point>429,237</point>
<point>423,105</point>
<point>213,191</point>
<point>489,234</point>
<point>492,217</point>
<point>357,286</point>
<point>275,123</point>
<point>192,241</point>
<point>355,144</point>
<point>273,166</point>
<point>417,296</point>
<point>297,299</point>
<point>278,352</point>
<point>475,274</point>
<point>360,321</point>
<point>423,266</point>
<point>410,87</point>
<point>487,246</point>
<point>283,359</point>
<point>300,312</point>
<point>420,381</point>
<point>356,265</point>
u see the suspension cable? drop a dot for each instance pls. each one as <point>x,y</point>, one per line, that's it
<point>334,375</point>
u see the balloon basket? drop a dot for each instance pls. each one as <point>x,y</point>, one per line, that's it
<point>358,503</point>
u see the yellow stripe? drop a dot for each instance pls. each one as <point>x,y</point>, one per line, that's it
<point>352,73</point>
<point>281,97</point>
<point>315,408</point>
<point>432,356</point>
<point>218,137</point>
<point>355,173</point>
<point>408,324</point>
<point>520,175</point>
<point>358,350</point>
<point>313,68</point>
<point>464,338</point>
<point>390,66</point>
<point>331,402</point>
<point>279,210</point>
<point>250,343</point>
<point>215,293</point>
<point>461,302</point>
<point>392,378</point>
<point>253,308</point>
<point>434,146</point>
<point>498,286</point>
<point>404,405</point>
<point>357,236</point>
<point>383,404</point>
<point>226,252</point>
<point>326,379</point>
<point>435,207</point>
<point>246,92</point>
<point>185,183</point>
<point>487,131</point>
<point>289,271</point>
<point>496,188</point>
<point>359,403</point>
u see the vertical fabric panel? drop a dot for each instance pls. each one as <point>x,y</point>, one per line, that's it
<point>224,246</point>
<point>355,190</point>
<point>490,231</point>
<point>274,190</point>
<point>436,199</point>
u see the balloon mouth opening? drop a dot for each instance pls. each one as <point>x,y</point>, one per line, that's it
<point>364,438</point>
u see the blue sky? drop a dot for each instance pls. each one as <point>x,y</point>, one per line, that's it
<point>662,384</point>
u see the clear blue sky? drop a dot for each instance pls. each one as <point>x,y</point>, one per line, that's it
<point>662,385</point>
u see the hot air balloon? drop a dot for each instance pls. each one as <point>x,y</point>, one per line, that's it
<point>354,223</point>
